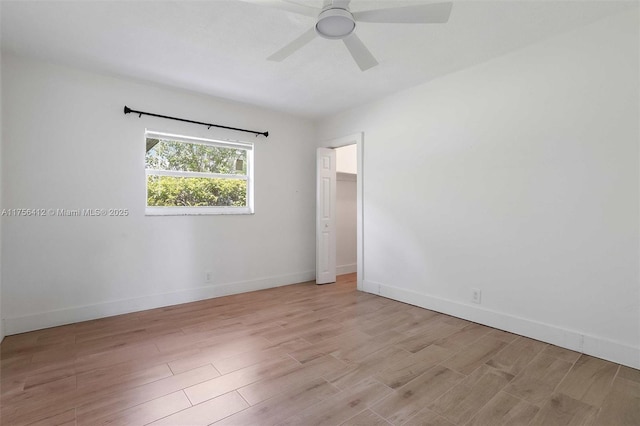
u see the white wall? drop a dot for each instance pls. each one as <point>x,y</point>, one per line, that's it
<point>347,159</point>
<point>67,144</point>
<point>520,177</point>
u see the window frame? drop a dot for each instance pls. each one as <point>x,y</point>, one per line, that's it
<point>201,210</point>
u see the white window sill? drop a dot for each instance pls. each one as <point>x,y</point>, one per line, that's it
<point>196,211</point>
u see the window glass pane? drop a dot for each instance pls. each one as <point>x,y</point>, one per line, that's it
<point>169,191</point>
<point>163,154</point>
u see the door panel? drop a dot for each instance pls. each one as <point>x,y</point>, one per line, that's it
<point>325,216</point>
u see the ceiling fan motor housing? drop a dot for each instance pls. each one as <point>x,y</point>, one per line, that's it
<point>335,23</point>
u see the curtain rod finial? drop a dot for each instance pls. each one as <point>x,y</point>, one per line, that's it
<point>127,110</point>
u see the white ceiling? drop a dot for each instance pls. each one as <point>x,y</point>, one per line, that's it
<point>219,47</point>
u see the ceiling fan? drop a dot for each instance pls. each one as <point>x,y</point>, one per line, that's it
<point>336,22</point>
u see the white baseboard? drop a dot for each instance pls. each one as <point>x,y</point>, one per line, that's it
<point>346,269</point>
<point>570,339</point>
<point>117,307</point>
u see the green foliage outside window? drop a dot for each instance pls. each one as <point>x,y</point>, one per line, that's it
<point>169,191</point>
<point>172,191</point>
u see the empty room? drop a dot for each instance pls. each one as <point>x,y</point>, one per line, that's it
<point>320,212</point>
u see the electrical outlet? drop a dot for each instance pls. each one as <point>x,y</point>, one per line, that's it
<point>476,295</point>
<point>207,277</point>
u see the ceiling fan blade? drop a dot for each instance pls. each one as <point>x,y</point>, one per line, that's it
<point>360,53</point>
<point>434,13</point>
<point>296,44</point>
<point>342,4</point>
<point>288,6</point>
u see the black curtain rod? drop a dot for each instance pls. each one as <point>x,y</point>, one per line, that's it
<point>127,110</point>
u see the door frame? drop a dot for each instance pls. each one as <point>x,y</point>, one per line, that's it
<point>358,139</point>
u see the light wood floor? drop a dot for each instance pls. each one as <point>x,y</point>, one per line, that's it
<point>304,355</point>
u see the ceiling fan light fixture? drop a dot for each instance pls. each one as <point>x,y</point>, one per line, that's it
<point>335,24</point>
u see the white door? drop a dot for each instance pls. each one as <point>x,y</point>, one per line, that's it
<point>326,216</point>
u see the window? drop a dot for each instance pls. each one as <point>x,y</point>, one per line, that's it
<point>197,176</point>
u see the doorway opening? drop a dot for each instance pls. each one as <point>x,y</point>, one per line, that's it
<point>339,218</point>
<point>346,209</point>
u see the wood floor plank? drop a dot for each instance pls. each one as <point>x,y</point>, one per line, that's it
<point>621,406</point>
<point>261,390</point>
<point>369,366</point>
<point>454,321</point>
<point>438,330</point>
<point>350,339</point>
<point>235,380</point>
<point>33,413</point>
<point>503,335</point>
<point>206,413</point>
<point>112,357</point>
<point>122,340</point>
<point>122,377</point>
<point>198,359</point>
<point>13,366</point>
<point>218,351</point>
<point>563,410</point>
<point>103,405</point>
<point>517,355</point>
<point>255,356</point>
<point>366,418</point>
<point>141,363</point>
<point>326,332</point>
<point>301,328</point>
<point>505,410</point>
<point>589,380</point>
<point>41,352</point>
<point>561,353</point>
<point>464,400</point>
<point>18,344</point>
<point>282,406</point>
<point>426,417</point>
<point>49,376</point>
<point>42,393</point>
<point>475,355</point>
<point>144,413</point>
<point>416,322</point>
<point>223,339</point>
<point>539,379</point>
<point>402,372</point>
<point>629,373</point>
<point>463,337</point>
<point>420,323</point>
<point>66,418</point>
<point>53,360</point>
<point>354,352</point>
<point>383,323</point>
<point>408,400</point>
<point>10,386</point>
<point>342,406</point>
<point>186,340</point>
